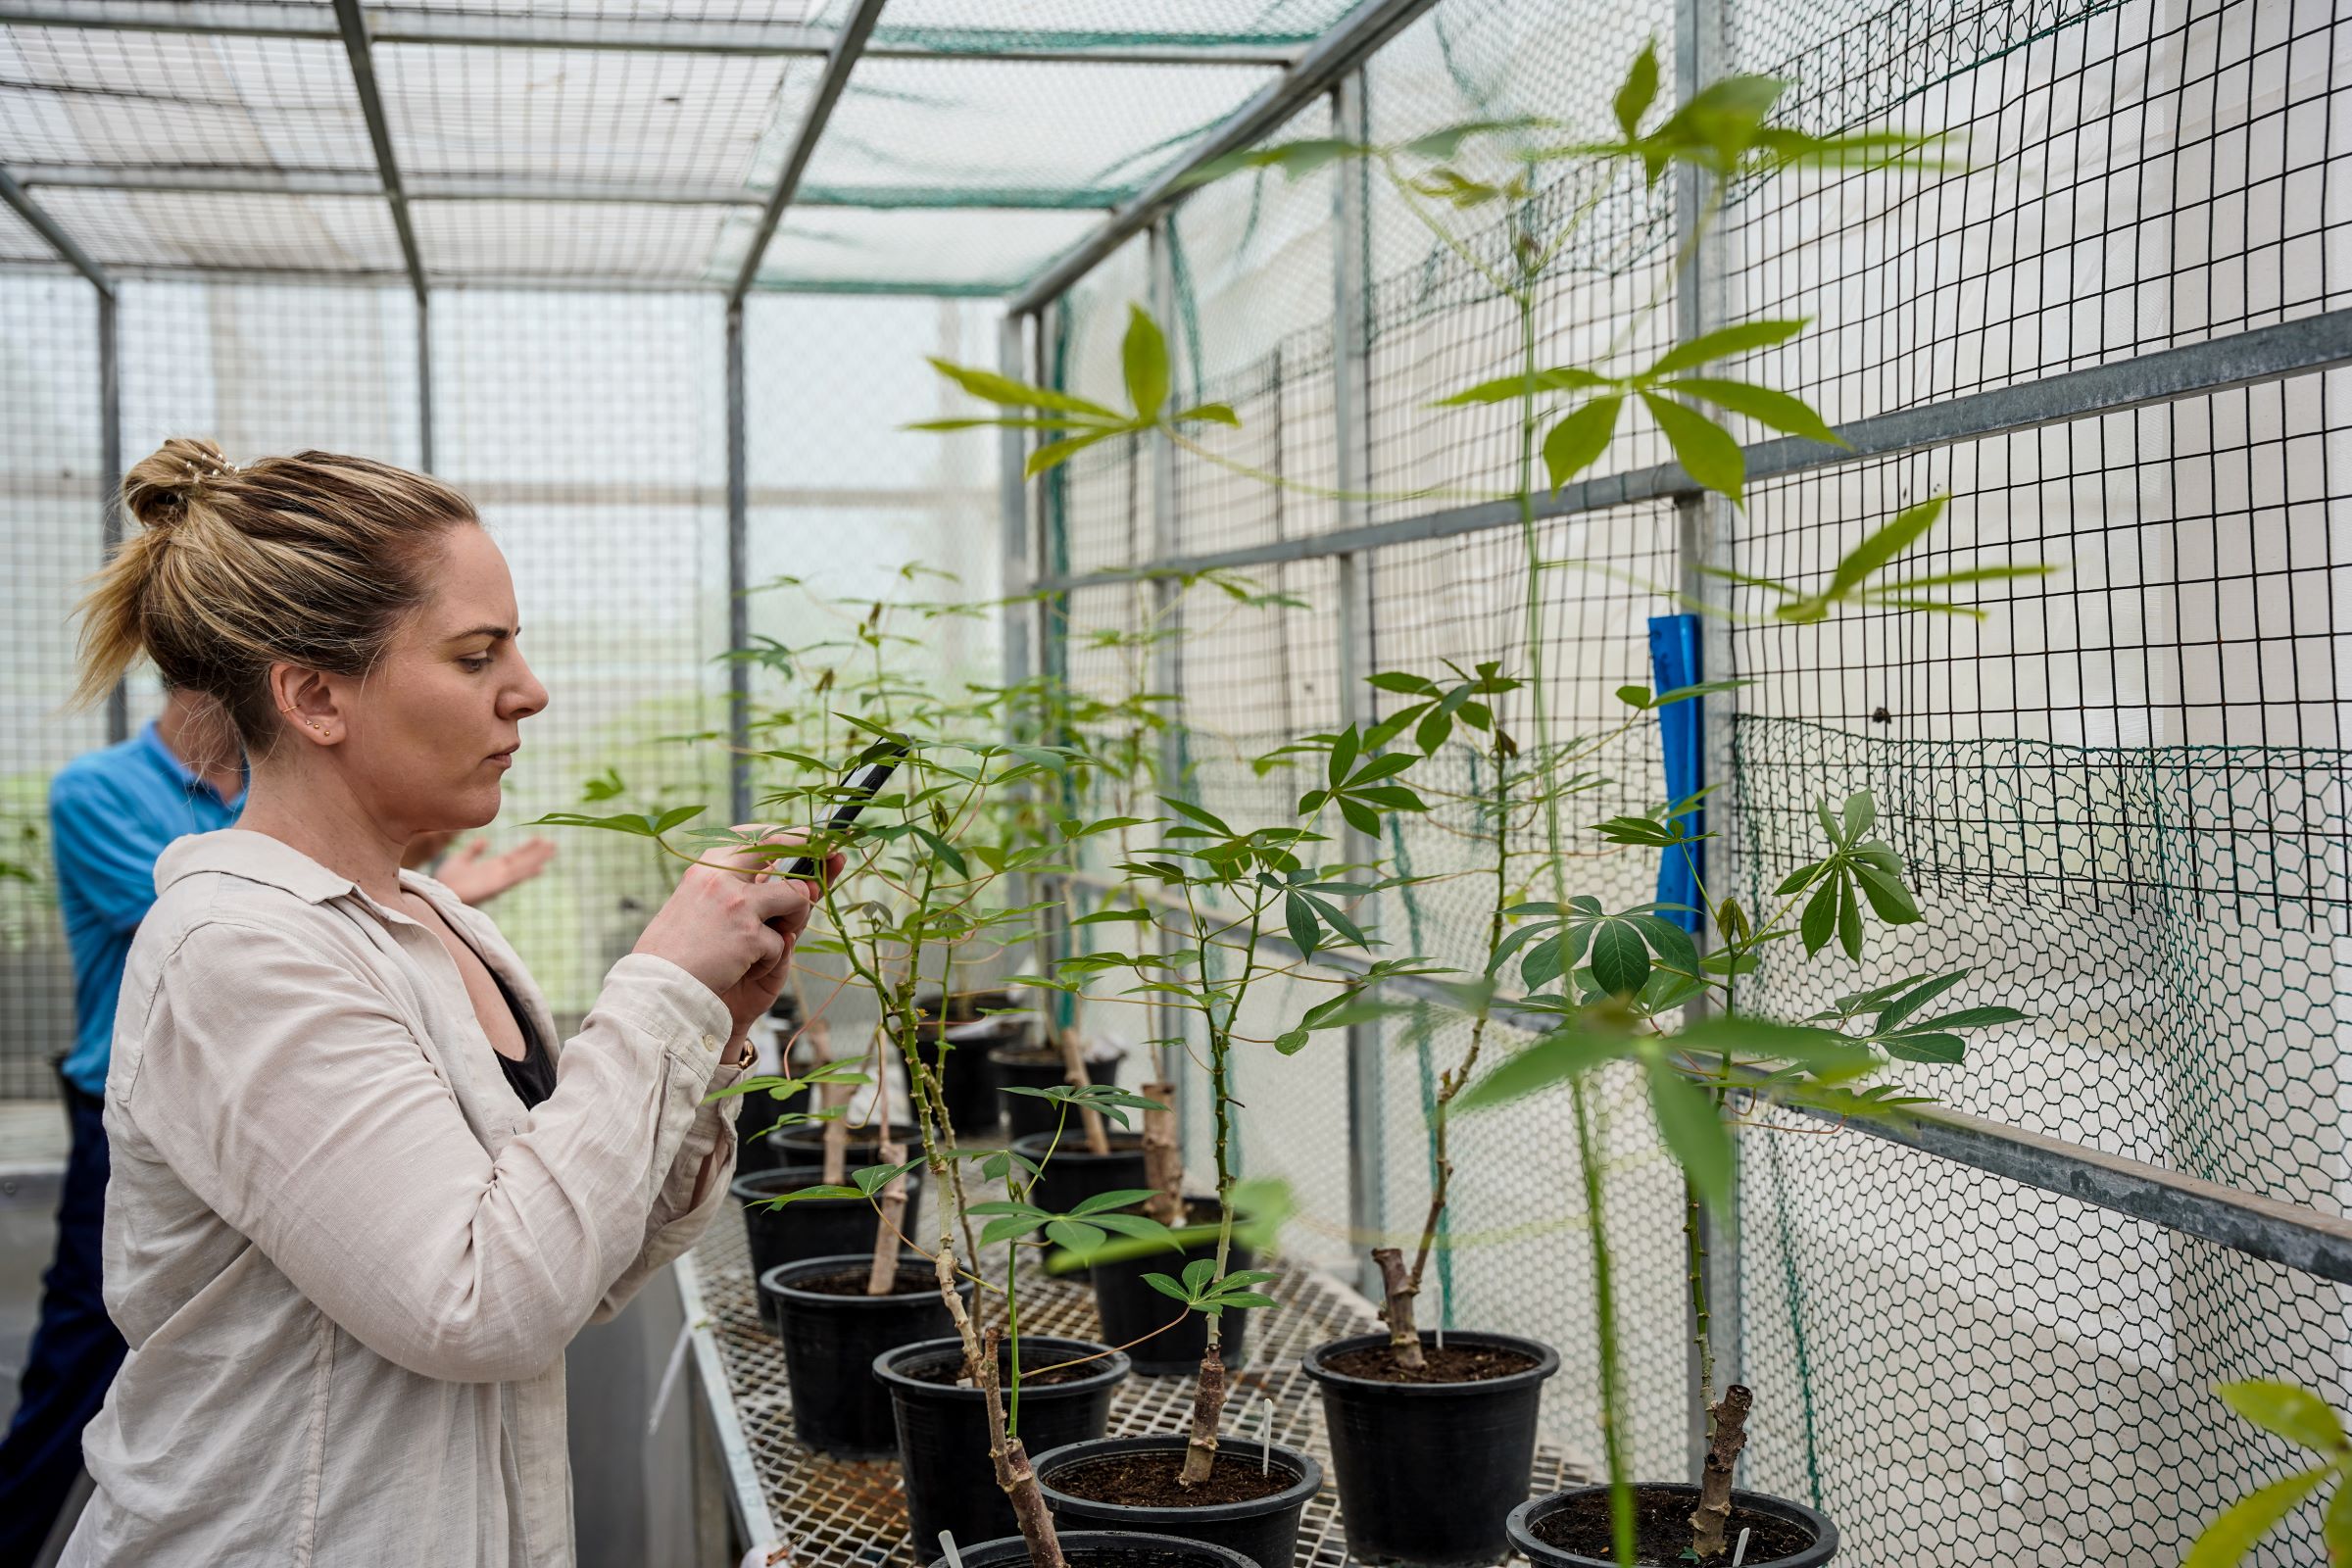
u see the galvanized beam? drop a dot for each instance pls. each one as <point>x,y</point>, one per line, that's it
<point>353,28</point>
<point>1702,526</point>
<point>739,574</point>
<point>836,79</point>
<point>499,188</point>
<point>424,384</point>
<point>1351,407</point>
<point>506,29</point>
<point>1315,72</point>
<point>109,474</point>
<point>68,250</point>
<point>2244,359</point>
<point>2290,1235</point>
<point>1012,512</point>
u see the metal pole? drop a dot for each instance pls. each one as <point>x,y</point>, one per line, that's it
<point>841,60</point>
<point>110,475</point>
<point>1351,402</point>
<point>1012,505</point>
<point>1167,652</point>
<point>739,604</point>
<point>353,25</point>
<point>424,384</point>
<point>1702,521</point>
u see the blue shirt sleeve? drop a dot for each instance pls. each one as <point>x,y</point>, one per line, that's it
<point>105,849</point>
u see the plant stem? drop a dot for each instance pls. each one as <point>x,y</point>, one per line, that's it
<point>1729,1421</point>
<point>1604,1296</point>
<point>1209,1398</point>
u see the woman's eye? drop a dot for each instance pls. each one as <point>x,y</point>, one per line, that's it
<point>474,663</point>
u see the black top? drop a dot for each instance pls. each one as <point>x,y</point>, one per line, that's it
<point>533,1078</point>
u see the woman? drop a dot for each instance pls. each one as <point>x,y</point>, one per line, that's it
<point>361,1198</point>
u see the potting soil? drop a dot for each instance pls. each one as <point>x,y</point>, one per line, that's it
<point>911,1281</point>
<point>1467,1363</point>
<point>950,1370</point>
<point>1662,1530</point>
<point>1149,1480</point>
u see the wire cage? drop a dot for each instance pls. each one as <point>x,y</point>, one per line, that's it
<point>653,286</point>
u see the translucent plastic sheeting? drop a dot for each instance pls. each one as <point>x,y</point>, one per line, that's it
<point>130,101</point>
<point>936,130</point>
<point>665,123</point>
<point>911,250</point>
<point>229,232</point>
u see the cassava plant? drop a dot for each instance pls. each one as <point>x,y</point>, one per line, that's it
<point>2305,1420</point>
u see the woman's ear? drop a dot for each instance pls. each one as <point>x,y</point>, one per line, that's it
<point>307,700</point>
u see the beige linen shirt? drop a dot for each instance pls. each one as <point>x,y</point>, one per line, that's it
<point>346,1256</point>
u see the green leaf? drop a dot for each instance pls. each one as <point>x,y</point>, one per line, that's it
<point>2232,1536</point>
<point>1511,388</point>
<point>1446,142</point>
<point>1166,1287</point>
<point>1620,959</point>
<point>1216,1304</point>
<point>1820,920</point>
<point>1131,1225</point>
<point>1639,91</point>
<point>1725,341</point>
<point>1389,680</point>
<point>1974,1018</point>
<point>1549,1060</point>
<point>1576,442</point>
<point>1074,1236</point>
<point>1307,932</point>
<point>1693,1133</point>
<point>1888,895</point>
<point>1295,159</point>
<point>989,387</point>
<point>2335,1526</point>
<point>1775,411</point>
<point>1053,454</point>
<point>1007,1229</point>
<point>1908,527</point>
<point>2293,1413</point>
<point>1849,919</point>
<point>1121,1198</point>
<point>1214,413</point>
<point>1910,1002</point>
<point>1144,356</point>
<point>1704,449</point>
<point>1935,1048</point>
<point>1199,1273</point>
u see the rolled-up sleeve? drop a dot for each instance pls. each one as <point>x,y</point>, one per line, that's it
<point>691,1194</point>
<point>288,1093</point>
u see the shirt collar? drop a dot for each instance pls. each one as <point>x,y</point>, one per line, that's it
<point>255,856</point>
<point>151,741</point>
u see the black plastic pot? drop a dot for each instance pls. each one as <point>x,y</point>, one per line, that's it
<point>1524,1518</point>
<point>943,1430</point>
<point>1146,1322</point>
<point>1027,1066</point>
<point>805,1145</point>
<point>1264,1530</point>
<point>1074,1175</point>
<point>754,1150</point>
<point>1388,1439</point>
<point>814,1227</point>
<point>1091,1548</point>
<point>830,1342</point>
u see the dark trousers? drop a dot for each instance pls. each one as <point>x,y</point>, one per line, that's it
<point>75,1353</point>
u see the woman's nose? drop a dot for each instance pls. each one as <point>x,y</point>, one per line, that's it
<point>526,696</point>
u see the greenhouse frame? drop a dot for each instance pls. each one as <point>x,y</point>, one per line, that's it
<point>654,283</point>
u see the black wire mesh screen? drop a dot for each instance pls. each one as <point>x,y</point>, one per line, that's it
<point>2122,794</point>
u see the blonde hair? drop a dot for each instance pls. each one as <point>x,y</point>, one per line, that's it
<point>310,561</point>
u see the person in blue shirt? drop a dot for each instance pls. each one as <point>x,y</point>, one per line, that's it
<point>111,813</point>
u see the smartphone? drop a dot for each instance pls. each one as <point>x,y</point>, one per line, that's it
<point>863,783</point>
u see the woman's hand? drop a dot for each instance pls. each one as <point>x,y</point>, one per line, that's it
<point>732,923</point>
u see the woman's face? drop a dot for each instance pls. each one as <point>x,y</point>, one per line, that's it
<point>425,738</point>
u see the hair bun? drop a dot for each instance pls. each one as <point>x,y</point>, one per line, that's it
<point>160,488</point>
